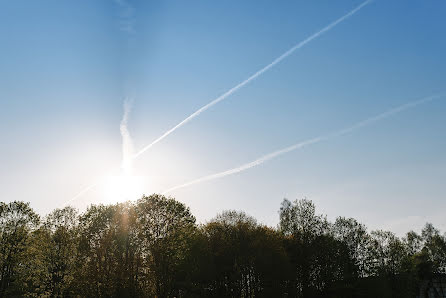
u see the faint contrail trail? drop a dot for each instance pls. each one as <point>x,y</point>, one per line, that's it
<point>127,150</point>
<point>252,77</point>
<point>81,193</point>
<point>127,143</point>
<point>240,85</point>
<point>338,133</point>
<point>126,16</point>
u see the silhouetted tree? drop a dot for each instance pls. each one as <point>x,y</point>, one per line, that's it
<point>153,248</point>
<point>249,260</point>
<point>316,256</point>
<point>165,229</point>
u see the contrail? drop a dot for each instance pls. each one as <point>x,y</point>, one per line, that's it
<point>127,150</point>
<point>240,85</point>
<point>254,76</point>
<point>126,16</point>
<point>127,143</point>
<point>81,193</point>
<point>338,133</point>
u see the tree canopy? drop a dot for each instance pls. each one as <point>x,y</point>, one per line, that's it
<point>154,248</point>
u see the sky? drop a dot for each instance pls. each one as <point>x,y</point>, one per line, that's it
<point>67,67</point>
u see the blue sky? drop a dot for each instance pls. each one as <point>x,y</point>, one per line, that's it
<point>67,66</point>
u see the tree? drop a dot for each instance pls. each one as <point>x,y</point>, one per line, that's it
<point>166,227</point>
<point>153,248</point>
<point>109,258</point>
<point>354,235</point>
<point>248,259</point>
<point>17,221</point>
<point>436,247</point>
<point>299,218</point>
<point>413,243</point>
<point>313,251</point>
<point>60,230</point>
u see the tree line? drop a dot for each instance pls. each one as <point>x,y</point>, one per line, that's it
<point>154,248</point>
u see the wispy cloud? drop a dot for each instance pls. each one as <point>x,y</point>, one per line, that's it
<point>254,76</point>
<point>127,142</point>
<point>338,133</point>
<point>126,16</point>
<point>127,151</point>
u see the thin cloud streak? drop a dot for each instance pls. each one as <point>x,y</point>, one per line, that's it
<point>129,15</point>
<point>338,133</point>
<point>126,16</point>
<point>80,194</point>
<point>127,142</point>
<point>127,151</point>
<point>254,76</point>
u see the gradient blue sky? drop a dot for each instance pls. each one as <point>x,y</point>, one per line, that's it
<point>66,67</point>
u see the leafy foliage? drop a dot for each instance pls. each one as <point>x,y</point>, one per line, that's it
<point>154,248</point>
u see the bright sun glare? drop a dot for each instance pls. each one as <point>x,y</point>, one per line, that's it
<point>125,186</point>
<point>122,188</point>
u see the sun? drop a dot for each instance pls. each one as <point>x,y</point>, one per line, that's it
<point>122,188</point>
<point>125,186</point>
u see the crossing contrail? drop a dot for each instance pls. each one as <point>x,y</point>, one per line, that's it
<point>80,194</point>
<point>237,87</point>
<point>338,133</point>
<point>254,76</point>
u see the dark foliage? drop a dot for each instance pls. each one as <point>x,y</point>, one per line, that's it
<point>154,248</point>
